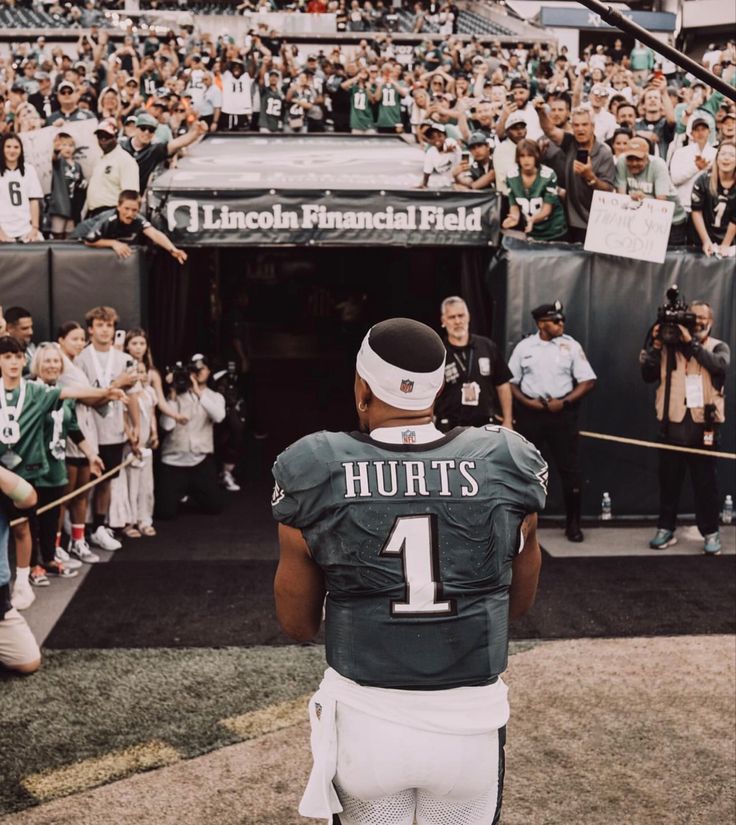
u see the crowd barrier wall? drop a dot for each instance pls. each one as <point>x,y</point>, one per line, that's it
<point>610,304</point>
<point>59,282</point>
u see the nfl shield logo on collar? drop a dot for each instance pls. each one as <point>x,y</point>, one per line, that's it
<point>408,437</point>
<point>406,385</point>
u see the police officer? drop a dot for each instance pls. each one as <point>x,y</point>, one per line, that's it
<point>476,376</point>
<point>550,376</point>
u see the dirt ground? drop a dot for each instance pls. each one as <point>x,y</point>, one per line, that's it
<point>602,732</point>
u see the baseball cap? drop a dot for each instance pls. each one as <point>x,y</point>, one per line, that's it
<point>108,126</point>
<point>728,114</point>
<point>599,90</point>
<point>477,139</point>
<point>549,312</point>
<point>636,148</point>
<point>432,124</point>
<point>42,76</point>
<point>130,119</point>
<point>699,121</point>
<point>144,119</point>
<point>518,83</point>
<point>66,84</point>
<point>515,118</point>
<point>198,360</point>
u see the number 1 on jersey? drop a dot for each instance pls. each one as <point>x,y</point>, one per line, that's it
<point>414,538</point>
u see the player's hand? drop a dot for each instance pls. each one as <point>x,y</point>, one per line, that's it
<point>509,222</point>
<point>555,405</point>
<point>154,441</point>
<point>529,226</point>
<point>685,335</point>
<point>122,250</point>
<point>636,196</point>
<point>708,248</point>
<point>701,163</point>
<point>179,254</point>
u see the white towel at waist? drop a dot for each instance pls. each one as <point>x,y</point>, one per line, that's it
<point>463,711</point>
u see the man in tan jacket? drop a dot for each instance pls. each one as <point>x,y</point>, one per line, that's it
<point>690,414</point>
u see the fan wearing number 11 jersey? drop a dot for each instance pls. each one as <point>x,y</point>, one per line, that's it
<point>420,545</point>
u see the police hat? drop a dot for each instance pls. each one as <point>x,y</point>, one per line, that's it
<point>549,312</point>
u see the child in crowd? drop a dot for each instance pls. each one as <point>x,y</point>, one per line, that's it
<point>139,474</point>
<point>67,188</point>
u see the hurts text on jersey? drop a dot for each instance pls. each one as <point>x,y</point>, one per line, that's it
<point>408,478</point>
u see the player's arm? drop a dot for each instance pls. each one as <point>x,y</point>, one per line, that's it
<point>525,570</point>
<point>299,587</point>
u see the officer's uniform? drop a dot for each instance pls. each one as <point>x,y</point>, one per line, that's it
<point>547,370</point>
<point>472,374</point>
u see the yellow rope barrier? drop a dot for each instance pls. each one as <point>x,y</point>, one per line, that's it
<point>83,489</point>
<point>653,445</point>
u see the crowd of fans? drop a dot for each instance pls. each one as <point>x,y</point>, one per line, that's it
<point>542,130</point>
<point>92,402</point>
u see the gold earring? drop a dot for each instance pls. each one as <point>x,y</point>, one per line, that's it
<point>362,407</point>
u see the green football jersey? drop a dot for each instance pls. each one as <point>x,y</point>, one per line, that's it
<point>389,106</point>
<point>531,200</point>
<point>39,400</point>
<point>59,423</point>
<point>361,111</point>
<point>272,109</point>
<point>416,543</point>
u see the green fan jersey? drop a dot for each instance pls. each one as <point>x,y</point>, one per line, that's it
<point>39,401</point>
<point>272,109</point>
<point>531,200</point>
<point>361,111</point>
<point>416,543</point>
<point>59,424</point>
<point>389,106</point>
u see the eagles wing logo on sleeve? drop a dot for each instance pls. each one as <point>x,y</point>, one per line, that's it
<point>406,385</point>
<point>277,495</point>
<point>543,478</point>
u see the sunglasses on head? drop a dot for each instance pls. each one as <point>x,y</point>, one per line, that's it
<point>150,129</point>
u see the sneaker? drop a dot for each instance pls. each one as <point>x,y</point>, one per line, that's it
<point>79,550</point>
<point>64,558</point>
<point>38,577</point>
<point>663,539</point>
<point>23,595</point>
<point>228,482</point>
<point>712,544</point>
<point>104,538</point>
<point>56,568</point>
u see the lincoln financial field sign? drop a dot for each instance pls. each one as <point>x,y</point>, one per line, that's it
<point>398,218</point>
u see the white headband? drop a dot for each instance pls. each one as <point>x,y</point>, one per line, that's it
<point>400,388</point>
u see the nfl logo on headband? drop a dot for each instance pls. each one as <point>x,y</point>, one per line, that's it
<point>406,385</point>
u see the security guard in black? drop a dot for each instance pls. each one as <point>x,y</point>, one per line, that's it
<point>477,389</point>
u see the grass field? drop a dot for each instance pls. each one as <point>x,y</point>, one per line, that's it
<point>606,731</point>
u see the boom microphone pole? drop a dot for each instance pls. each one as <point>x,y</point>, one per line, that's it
<point>617,20</point>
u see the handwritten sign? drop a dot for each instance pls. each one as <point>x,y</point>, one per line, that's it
<point>621,226</point>
<point>38,147</point>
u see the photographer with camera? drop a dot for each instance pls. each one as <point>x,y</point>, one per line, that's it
<point>690,366</point>
<point>187,458</point>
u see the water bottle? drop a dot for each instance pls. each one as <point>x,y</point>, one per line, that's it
<point>606,507</point>
<point>727,514</point>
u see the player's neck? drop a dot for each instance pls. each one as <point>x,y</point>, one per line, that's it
<point>98,347</point>
<point>399,421</point>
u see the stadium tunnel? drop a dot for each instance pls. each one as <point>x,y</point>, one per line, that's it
<point>296,245</point>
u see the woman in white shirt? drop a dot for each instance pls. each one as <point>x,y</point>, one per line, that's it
<point>20,194</point>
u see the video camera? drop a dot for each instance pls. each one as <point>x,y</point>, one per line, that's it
<point>178,376</point>
<point>673,314</point>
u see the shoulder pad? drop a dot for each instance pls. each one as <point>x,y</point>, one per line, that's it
<point>299,473</point>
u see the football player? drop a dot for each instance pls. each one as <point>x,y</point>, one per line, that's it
<point>420,545</point>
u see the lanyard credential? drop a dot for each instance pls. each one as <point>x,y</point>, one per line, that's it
<point>10,416</point>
